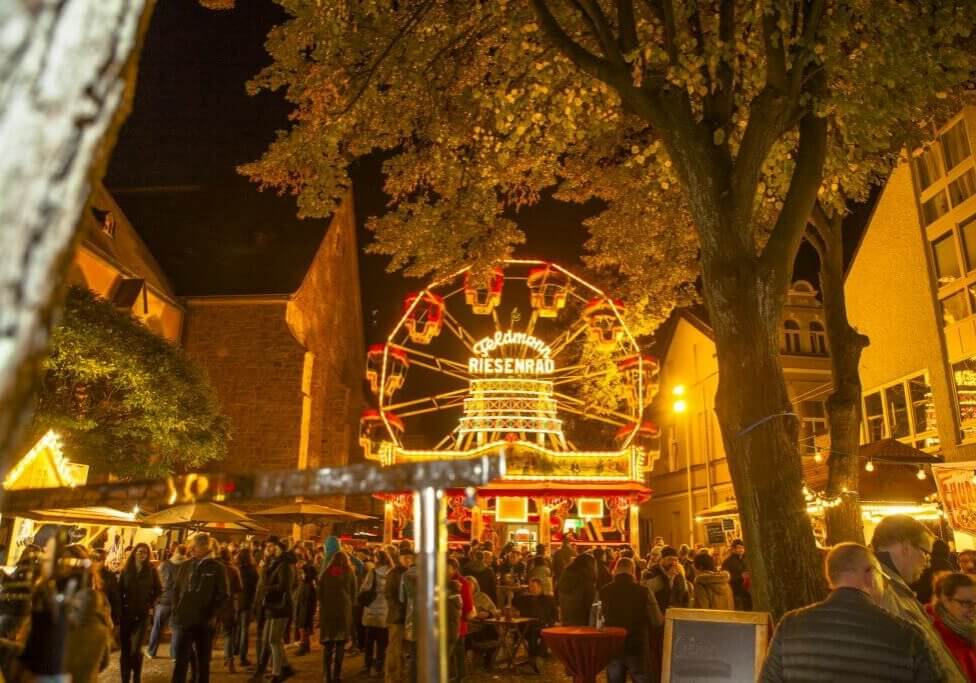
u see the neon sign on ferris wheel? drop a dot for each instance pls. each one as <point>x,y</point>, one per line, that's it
<point>484,365</point>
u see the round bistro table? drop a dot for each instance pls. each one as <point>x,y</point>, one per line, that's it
<point>585,651</point>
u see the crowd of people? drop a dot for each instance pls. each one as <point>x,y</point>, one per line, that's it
<point>903,609</point>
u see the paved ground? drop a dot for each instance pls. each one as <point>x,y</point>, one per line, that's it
<point>309,669</point>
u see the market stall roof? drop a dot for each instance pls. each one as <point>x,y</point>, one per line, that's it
<point>87,515</point>
<point>304,512</point>
<point>565,488</point>
<point>727,509</point>
<point>197,515</point>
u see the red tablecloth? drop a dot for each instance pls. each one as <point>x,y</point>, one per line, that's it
<point>585,651</point>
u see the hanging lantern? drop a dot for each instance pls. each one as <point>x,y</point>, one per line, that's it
<point>483,300</point>
<point>425,320</point>
<point>372,431</point>
<point>396,370</point>
<point>604,327</point>
<point>549,289</point>
<point>638,371</point>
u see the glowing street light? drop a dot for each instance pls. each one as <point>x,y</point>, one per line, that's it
<point>680,405</point>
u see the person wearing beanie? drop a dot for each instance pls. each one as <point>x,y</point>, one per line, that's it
<point>737,567</point>
<point>667,581</point>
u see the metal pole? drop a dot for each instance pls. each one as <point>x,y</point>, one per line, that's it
<point>429,519</point>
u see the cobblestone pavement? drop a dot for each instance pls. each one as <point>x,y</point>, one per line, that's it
<point>309,668</point>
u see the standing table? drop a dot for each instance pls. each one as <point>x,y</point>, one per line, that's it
<point>511,634</point>
<point>585,651</point>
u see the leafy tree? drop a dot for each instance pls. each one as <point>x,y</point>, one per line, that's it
<point>708,128</point>
<point>125,400</point>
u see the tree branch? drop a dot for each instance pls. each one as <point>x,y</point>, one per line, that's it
<point>804,52</point>
<point>775,52</point>
<point>627,26</point>
<point>585,60</point>
<point>664,11</point>
<point>603,30</point>
<point>720,101</point>
<point>777,256</point>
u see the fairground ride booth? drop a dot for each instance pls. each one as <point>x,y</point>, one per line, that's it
<point>533,362</point>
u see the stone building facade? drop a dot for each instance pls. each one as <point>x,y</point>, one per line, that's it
<point>288,368</point>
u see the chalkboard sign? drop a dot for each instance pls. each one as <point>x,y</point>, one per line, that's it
<point>728,524</point>
<point>715,534</point>
<point>708,646</point>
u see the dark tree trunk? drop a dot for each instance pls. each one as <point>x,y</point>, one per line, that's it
<point>760,434</point>
<point>844,404</point>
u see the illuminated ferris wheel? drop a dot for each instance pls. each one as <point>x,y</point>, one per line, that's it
<point>535,355</point>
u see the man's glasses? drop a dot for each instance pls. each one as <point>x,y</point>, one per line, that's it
<point>927,553</point>
<point>966,604</point>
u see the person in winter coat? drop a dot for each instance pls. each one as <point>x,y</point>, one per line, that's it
<point>337,592</point>
<point>279,581</point>
<point>395,616</point>
<point>108,583</point>
<point>199,593</point>
<point>535,604</point>
<point>939,563</point>
<point>306,602</point>
<point>954,616</point>
<point>540,571</point>
<point>603,575</point>
<point>902,545</point>
<point>229,612</point>
<point>712,589</point>
<point>249,585</point>
<point>408,596</point>
<point>167,576</point>
<point>86,632</point>
<point>848,636</point>
<point>737,567</point>
<point>561,559</point>
<point>465,611</point>
<point>375,613</point>
<point>576,590</point>
<point>667,581</point>
<point>480,568</point>
<point>139,589</point>
<point>628,604</point>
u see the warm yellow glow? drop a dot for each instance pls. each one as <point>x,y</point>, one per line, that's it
<point>678,390</point>
<point>921,473</point>
<point>817,456</point>
<point>49,443</point>
<point>869,466</point>
<point>512,509</point>
<point>589,507</point>
<point>679,406</point>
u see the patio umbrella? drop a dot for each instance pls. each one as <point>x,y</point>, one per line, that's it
<point>234,527</point>
<point>309,513</point>
<point>198,515</point>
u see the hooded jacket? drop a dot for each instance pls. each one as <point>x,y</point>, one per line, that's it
<point>278,585</point>
<point>167,577</point>
<point>712,591</point>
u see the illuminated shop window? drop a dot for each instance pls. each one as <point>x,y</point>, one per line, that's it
<point>964,378</point>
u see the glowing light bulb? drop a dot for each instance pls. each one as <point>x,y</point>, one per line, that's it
<point>680,406</point>
<point>678,390</point>
<point>817,456</point>
<point>869,466</point>
<point>921,473</point>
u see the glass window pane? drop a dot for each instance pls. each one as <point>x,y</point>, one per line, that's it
<point>964,377</point>
<point>923,409</point>
<point>955,145</point>
<point>897,411</point>
<point>963,187</point>
<point>927,167</point>
<point>874,417</point>
<point>946,260</point>
<point>935,208</point>
<point>954,308</point>
<point>967,230</point>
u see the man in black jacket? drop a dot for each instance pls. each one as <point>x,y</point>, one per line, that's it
<point>200,590</point>
<point>848,636</point>
<point>628,604</point>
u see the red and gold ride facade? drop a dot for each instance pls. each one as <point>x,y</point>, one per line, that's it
<point>532,362</point>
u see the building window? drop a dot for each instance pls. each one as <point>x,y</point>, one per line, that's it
<point>935,208</point>
<point>964,378</point>
<point>967,231</point>
<point>818,338</point>
<point>955,145</point>
<point>946,259</point>
<point>897,406</point>
<point>923,408</point>
<point>954,307</point>
<point>874,417</point>
<point>791,337</point>
<point>928,168</point>
<point>963,187</point>
<point>813,423</point>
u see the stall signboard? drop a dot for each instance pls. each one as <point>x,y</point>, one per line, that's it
<point>716,536</point>
<point>958,494</point>
<point>714,645</point>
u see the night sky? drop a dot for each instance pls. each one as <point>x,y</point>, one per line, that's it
<point>173,171</point>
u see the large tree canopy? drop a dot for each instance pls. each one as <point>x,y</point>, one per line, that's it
<point>707,128</point>
<point>124,400</point>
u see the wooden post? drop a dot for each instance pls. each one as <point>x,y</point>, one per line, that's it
<point>635,529</point>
